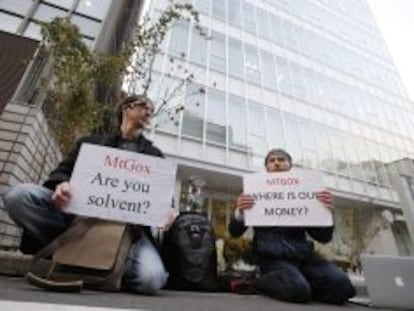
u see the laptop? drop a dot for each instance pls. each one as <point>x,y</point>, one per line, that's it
<point>390,280</point>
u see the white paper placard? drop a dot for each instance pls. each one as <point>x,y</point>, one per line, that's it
<point>286,199</point>
<point>115,184</point>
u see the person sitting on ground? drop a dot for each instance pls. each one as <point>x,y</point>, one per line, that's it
<point>290,269</point>
<point>40,210</point>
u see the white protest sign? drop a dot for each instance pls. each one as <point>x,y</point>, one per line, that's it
<point>286,199</point>
<point>121,185</point>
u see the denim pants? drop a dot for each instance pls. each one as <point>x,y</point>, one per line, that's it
<point>31,207</point>
<point>300,281</point>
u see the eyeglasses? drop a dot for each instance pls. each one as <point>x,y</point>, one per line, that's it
<point>143,105</point>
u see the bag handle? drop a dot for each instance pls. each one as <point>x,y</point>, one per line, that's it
<point>70,286</point>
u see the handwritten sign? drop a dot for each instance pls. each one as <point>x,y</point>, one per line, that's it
<point>286,199</point>
<point>115,184</point>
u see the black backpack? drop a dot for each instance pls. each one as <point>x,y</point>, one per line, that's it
<point>189,253</point>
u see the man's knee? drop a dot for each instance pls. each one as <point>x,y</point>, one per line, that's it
<point>292,288</point>
<point>340,289</point>
<point>15,198</point>
<point>298,291</point>
<point>343,289</point>
<point>149,281</point>
<point>152,280</point>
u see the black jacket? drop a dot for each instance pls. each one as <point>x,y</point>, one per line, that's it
<point>64,170</point>
<point>289,243</point>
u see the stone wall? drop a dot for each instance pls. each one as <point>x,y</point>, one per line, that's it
<point>27,154</point>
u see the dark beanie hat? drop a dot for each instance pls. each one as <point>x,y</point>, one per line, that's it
<point>278,151</point>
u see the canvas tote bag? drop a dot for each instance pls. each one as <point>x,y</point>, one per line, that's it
<point>91,254</point>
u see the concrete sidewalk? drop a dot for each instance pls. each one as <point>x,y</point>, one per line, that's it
<point>15,293</point>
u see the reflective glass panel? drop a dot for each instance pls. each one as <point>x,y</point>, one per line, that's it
<point>216,116</point>
<point>193,118</point>
<point>198,51</point>
<point>9,23</point>
<point>87,26</point>
<point>20,7</point>
<point>234,12</point>
<point>178,39</point>
<point>46,13</point>
<point>94,8</point>
<point>67,4</point>
<point>218,51</point>
<point>235,58</point>
<point>237,122</point>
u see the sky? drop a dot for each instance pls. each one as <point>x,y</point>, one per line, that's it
<point>395,19</point>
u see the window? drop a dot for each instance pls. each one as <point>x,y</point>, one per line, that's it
<point>269,78</point>
<point>249,20</point>
<point>263,27</point>
<point>33,31</point>
<point>46,13</point>
<point>218,51</point>
<point>257,130</point>
<point>193,119</point>
<point>219,9</point>
<point>283,80</point>
<point>323,147</point>
<point>9,23</point>
<point>309,143</point>
<point>66,4</point>
<point>292,136</point>
<point>87,26</point>
<point>235,58</point>
<point>234,12</point>
<point>203,6</point>
<point>237,122</point>
<point>275,129</point>
<point>275,23</point>
<point>94,8</point>
<point>198,52</point>
<point>216,116</point>
<point>251,64</point>
<point>178,39</point>
<point>20,7</point>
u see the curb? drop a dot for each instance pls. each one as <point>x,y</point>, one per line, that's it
<point>14,263</point>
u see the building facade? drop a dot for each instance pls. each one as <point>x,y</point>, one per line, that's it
<point>27,149</point>
<point>311,76</point>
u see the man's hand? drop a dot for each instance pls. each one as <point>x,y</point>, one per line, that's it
<point>61,196</point>
<point>244,201</point>
<point>326,198</point>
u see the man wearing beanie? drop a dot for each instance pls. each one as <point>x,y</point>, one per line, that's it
<point>290,268</point>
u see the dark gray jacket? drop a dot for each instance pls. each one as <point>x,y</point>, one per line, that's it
<point>289,243</point>
<point>64,170</point>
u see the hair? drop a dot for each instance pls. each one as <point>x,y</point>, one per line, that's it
<point>278,151</point>
<point>127,101</point>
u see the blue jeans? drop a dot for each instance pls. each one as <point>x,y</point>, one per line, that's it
<point>31,207</point>
<point>300,281</point>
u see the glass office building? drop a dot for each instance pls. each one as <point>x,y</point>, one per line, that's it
<point>22,17</point>
<point>311,76</point>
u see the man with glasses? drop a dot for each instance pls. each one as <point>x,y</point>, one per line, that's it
<point>39,210</point>
<point>290,268</point>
